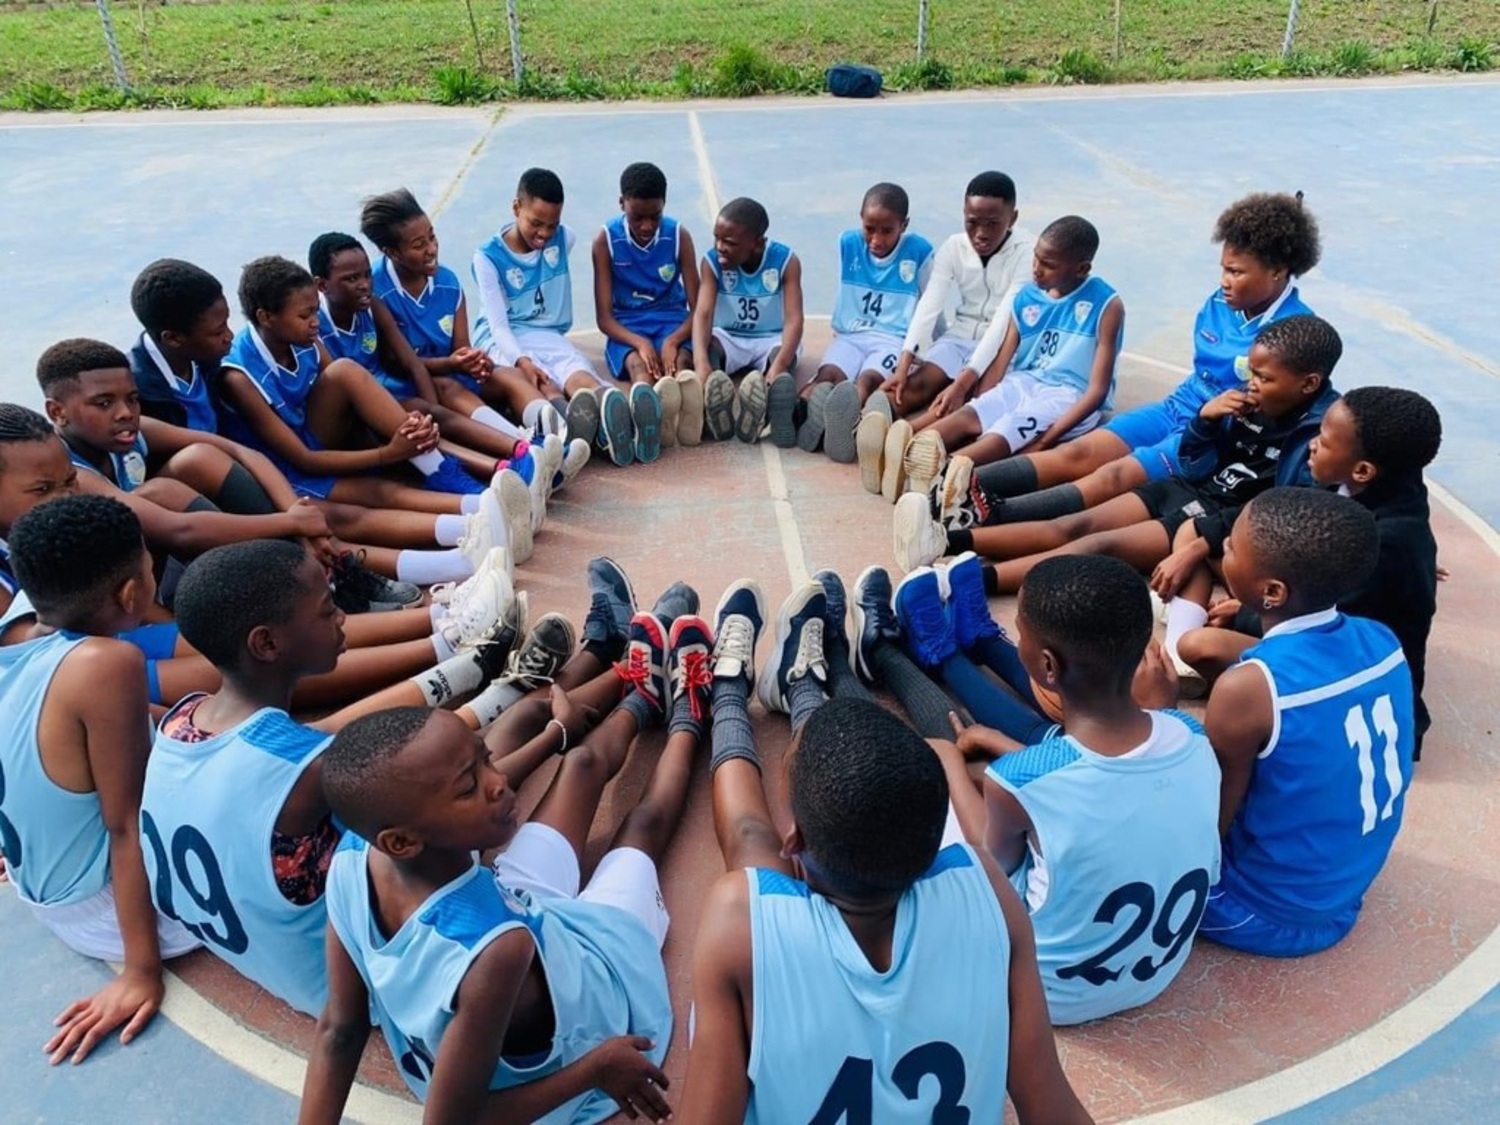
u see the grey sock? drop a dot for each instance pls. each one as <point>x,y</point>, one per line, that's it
<point>1048,504</point>
<point>842,682</point>
<point>1015,476</point>
<point>804,695</point>
<point>733,737</point>
<point>682,717</point>
<point>638,705</point>
<point>926,704</point>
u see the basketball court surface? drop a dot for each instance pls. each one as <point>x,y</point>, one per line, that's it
<point>1400,1021</point>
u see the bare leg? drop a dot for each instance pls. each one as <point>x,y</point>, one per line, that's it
<point>651,825</point>
<point>742,819</point>
<point>581,381</point>
<point>921,388</point>
<point>868,383</point>
<point>987,449</point>
<point>362,672</point>
<point>1010,541</point>
<point>386,527</point>
<point>1113,479</point>
<point>1213,651</point>
<point>957,429</point>
<point>454,418</point>
<point>1075,459</point>
<point>1142,545</point>
<point>379,492</point>
<point>368,630</point>
<point>572,800</point>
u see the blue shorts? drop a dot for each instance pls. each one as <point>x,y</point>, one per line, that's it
<point>302,483</point>
<point>1229,922</point>
<point>400,388</point>
<point>467,382</point>
<point>615,352</point>
<point>1154,431</point>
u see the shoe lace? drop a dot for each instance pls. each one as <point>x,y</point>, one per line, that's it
<point>635,668</point>
<point>351,576</point>
<point>474,621</point>
<point>696,678</point>
<point>534,663</point>
<point>810,656</point>
<point>736,639</point>
<point>979,503</point>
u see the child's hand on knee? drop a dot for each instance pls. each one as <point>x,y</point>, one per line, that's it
<point>1222,613</point>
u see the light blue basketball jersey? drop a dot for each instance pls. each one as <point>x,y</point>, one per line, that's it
<point>1221,344</point>
<point>879,295</point>
<point>835,1041</point>
<point>129,467</point>
<point>647,293</point>
<point>538,289</point>
<point>604,972</point>
<point>207,814</point>
<point>752,304</point>
<point>427,320</point>
<point>1328,791</point>
<point>8,581</point>
<point>285,389</point>
<point>1129,847</point>
<point>361,342</point>
<point>1059,335</point>
<point>55,843</point>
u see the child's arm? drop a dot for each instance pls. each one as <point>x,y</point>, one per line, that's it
<point>604,311</point>
<point>967,383</point>
<point>1190,551</point>
<point>396,351</point>
<point>717,1087</point>
<point>792,319</point>
<point>343,1029</point>
<point>703,321</point>
<point>687,267</point>
<point>924,319</point>
<point>116,740</point>
<point>1239,721</point>
<point>170,439</point>
<point>505,348</point>
<point>465,358</point>
<point>1106,352</point>
<point>1006,826</point>
<point>1198,452</point>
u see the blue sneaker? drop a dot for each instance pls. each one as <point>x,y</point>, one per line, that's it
<point>963,581</point>
<point>738,620</point>
<point>799,647</point>
<point>450,477</point>
<point>834,633</point>
<point>617,427</point>
<point>645,412</point>
<point>924,618</point>
<point>677,600</point>
<point>644,668</point>
<point>522,462</point>
<point>873,618</point>
<point>691,665</point>
<point>611,602</point>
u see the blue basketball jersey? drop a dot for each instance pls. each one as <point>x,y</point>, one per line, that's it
<point>751,304</point>
<point>1059,335</point>
<point>1125,851</point>
<point>55,843</point>
<point>645,282</point>
<point>129,468</point>
<point>1327,794</point>
<point>193,396</point>
<point>1221,344</point>
<point>879,295</point>
<point>425,320</point>
<point>207,814</point>
<point>360,342</point>
<point>604,972</point>
<point>835,1041</point>
<point>285,389</point>
<point>537,286</point>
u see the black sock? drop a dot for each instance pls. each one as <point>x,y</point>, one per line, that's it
<point>1048,504</point>
<point>606,652</point>
<point>242,495</point>
<point>991,581</point>
<point>1015,476</point>
<point>960,541</point>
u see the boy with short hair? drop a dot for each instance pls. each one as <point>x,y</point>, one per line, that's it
<point>1314,729</point>
<point>71,772</point>
<point>748,321</point>
<point>185,332</point>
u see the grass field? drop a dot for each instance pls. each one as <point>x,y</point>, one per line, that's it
<point>299,52</point>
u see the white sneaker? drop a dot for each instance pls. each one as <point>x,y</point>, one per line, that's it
<point>920,539</point>
<point>451,593</point>
<point>477,616</point>
<point>550,422</point>
<point>480,529</point>
<point>574,459</point>
<point>515,502</point>
<point>546,459</point>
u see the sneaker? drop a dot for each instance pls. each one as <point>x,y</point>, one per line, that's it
<point>475,616</point>
<point>548,646</point>
<point>583,416</point>
<point>750,407</point>
<point>451,594</point>
<point>611,601</point>
<point>646,414</point>
<point>781,410</point>
<point>617,426</point>
<point>719,406</point>
<point>550,422</point>
<point>691,664</point>
<point>920,539</point>
<point>873,619</point>
<point>955,509</point>
<point>494,654</point>
<point>357,589</point>
<point>923,616</point>
<point>963,582</point>
<point>449,476</point>
<point>483,530</point>
<point>840,419</point>
<point>669,390</point>
<point>869,446</point>
<point>738,620</point>
<point>575,457</point>
<point>893,478</point>
<point>547,460</point>
<point>515,503</point>
<point>690,420</point>
<point>924,461</point>
<point>799,647</point>
<point>880,403</point>
<point>644,667</point>
<point>677,600</point>
<point>810,433</point>
<point>837,603</point>
<point>1190,681</point>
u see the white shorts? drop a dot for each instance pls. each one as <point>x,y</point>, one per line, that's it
<point>1021,409</point>
<point>953,833</point>
<point>744,353</point>
<point>542,862</point>
<point>91,927</point>
<point>555,354</point>
<point>859,352</point>
<point>951,353</point>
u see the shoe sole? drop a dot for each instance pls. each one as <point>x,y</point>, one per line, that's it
<point>857,621</point>
<point>893,479</point>
<point>956,480</point>
<point>718,406</point>
<point>869,446</point>
<point>924,461</point>
<point>906,529</point>
<point>767,690</point>
<point>781,409</point>
<point>669,390</point>
<point>840,419</point>
<point>810,433</point>
<point>646,414</point>
<point>750,410</point>
<point>583,417</point>
<point>690,420</point>
<point>515,499</point>
<point>880,403</point>
<point>618,424</point>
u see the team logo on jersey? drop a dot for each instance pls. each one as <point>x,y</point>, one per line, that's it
<point>908,270</point>
<point>514,278</point>
<point>666,272</point>
<point>731,280</point>
<point>1242,368</point>
<point>368,343</point>
<point>1031,314</point>
<point>1081,310</point>
<point>446,325</point>
<point>549,255</point>
<point>770,279</point>
<point>135,468</point>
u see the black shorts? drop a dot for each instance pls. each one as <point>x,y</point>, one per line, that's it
<point>1172,502</point>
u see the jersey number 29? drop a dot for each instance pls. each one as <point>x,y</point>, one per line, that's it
<point>190,849</point>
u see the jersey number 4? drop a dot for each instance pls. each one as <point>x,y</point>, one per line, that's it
<point>1164,934</point>
<point>1357,728</point>
<point>205,886</point>
<point>851,1098</point>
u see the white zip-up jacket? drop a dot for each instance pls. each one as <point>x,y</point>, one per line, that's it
<point>968,292</point>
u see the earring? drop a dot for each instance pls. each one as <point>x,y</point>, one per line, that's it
<point>1265,603</point>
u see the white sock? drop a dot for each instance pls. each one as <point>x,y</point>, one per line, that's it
<point>426,567</point>
<point>1183,616</point>
<point>458,675</point>
<point>437,611</point>
<point>443,646</point>
<point>489,416</point>
<point>492,702</point>
<point>468,503</point>
<point>450,528</point>
<point>427,463</point>
<point>530,411</point>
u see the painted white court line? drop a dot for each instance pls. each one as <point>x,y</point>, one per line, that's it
<point>469,161</point>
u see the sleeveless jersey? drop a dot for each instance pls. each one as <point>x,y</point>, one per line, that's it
<point>1327,795</point>
<point>1221,343</point>
<point>537,286</point>
<point>56,846</point>
<point>129,467</point>
<point>1129,848</point>
<point>207,814</point>
<point>603,968</point>
<point>284,389</point>
<point>8,581</point>
<point>645,282</point>
<point>361,342</point>
<point>835,1041</point>
<point>879,295</point>
<point>751,304</point>
<point>1058,335</point>
<point>193,396</point>
<point>425,321</point>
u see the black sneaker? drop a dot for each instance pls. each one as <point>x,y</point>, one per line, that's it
<point>357,589</point>
<point>874,619</point>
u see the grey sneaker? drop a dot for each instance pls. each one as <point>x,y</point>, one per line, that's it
<point>546,649</point>
<point>738,620</point>
<point>677,600</point>
<point>799,647</point>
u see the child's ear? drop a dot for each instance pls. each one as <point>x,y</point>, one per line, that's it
<point>262,318</point>
<point>1312,384</point>
<point>171,339</point>
<point>261,643</point>
<point>322,284</point>
<point>398,843</point>
<point>56,414</point>
<point>129,596</point>
<point>515,207</point>
<point>1364,473</point>
<point>1273,594</point>
<point>1052,668</point>
<point>791,843</point>
<point>1084,269</point>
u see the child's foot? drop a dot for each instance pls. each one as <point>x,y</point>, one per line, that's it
<point>549,421</point>
<point>690,421</point>
<point>873,618</point>
<point>880,403</point>
<point>840,420</point>
<point>475,616</point>
<point>869,445</point>
<point>924,619</point>
<point>836,602</point>
<point>924,461</point>
<point>677,600</point>
<point>357,589</point>
<point>494,654</point>
<point>484,529</point>
<point>575,457</point>
<point>893,458</point>
<point>963,580</point>
<point>692,673</point>
<point>810,435</point>
<point>750,408</point>
<point>583,416</point>
<point>920,539</point>
<point>719,406</point>
<point>450,477</point>
<point>669,390</point>
<point>547,459</point>
<point>646,416</point>
<point>541,656</point>
<point>515,503</point>
<point>611,602</point>
<point>644,666</point>
<point>739,618</point>
<point>955,508</point>
<point>617,427</point>
<point>799,647</point>
<point>781,410</point>
<point>448,593</point>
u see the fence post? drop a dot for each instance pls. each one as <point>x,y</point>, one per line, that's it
<point>921,30</point>
<point>1431,16</point>
<point>517,65</point>
<point>1119,29</point>
<point>116,60</point>
<point>474,30</point>
<point>1291,29</point>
